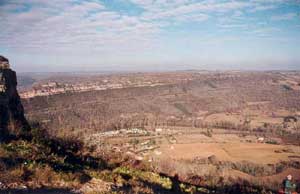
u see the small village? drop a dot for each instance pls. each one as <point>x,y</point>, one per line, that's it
<point>154,145</point>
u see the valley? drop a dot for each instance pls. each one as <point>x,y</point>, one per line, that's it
<point>221,128</point>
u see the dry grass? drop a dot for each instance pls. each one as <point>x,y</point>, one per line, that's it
<point>254,152</point>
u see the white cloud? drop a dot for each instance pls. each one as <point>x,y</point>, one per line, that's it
<point>193,17</point>
<point>233,25</point>
<point>69,27</point>
<point>264,31</point>
<point>81,27</point>
<point>288,16</point>
<point>263,7</point>
<point>86,7</point>
<point>154,12</point>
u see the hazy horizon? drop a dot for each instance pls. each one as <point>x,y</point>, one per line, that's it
<point>150,35</point>
<point>154,71</point>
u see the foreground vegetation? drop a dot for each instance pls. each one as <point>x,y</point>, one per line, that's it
<point>40,161</point>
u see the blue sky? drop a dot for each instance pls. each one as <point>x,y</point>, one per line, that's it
<point>137,35</point>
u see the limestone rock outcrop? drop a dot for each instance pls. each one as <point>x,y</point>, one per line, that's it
<point>12,117</point>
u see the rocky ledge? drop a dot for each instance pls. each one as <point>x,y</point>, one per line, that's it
<point>12,119</point>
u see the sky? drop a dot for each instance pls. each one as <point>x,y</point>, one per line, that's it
<point>150,35</point>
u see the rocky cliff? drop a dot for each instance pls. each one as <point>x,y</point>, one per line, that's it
<point>12,119</point>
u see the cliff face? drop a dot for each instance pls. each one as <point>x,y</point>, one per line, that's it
<point>11,110</point>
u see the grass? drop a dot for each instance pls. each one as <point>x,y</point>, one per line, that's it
<point>150,177</point>
<point>45,161</point>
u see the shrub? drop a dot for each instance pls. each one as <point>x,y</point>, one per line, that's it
<point>286,87</point>
<point>144,176</point>
<point>272,141</point>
